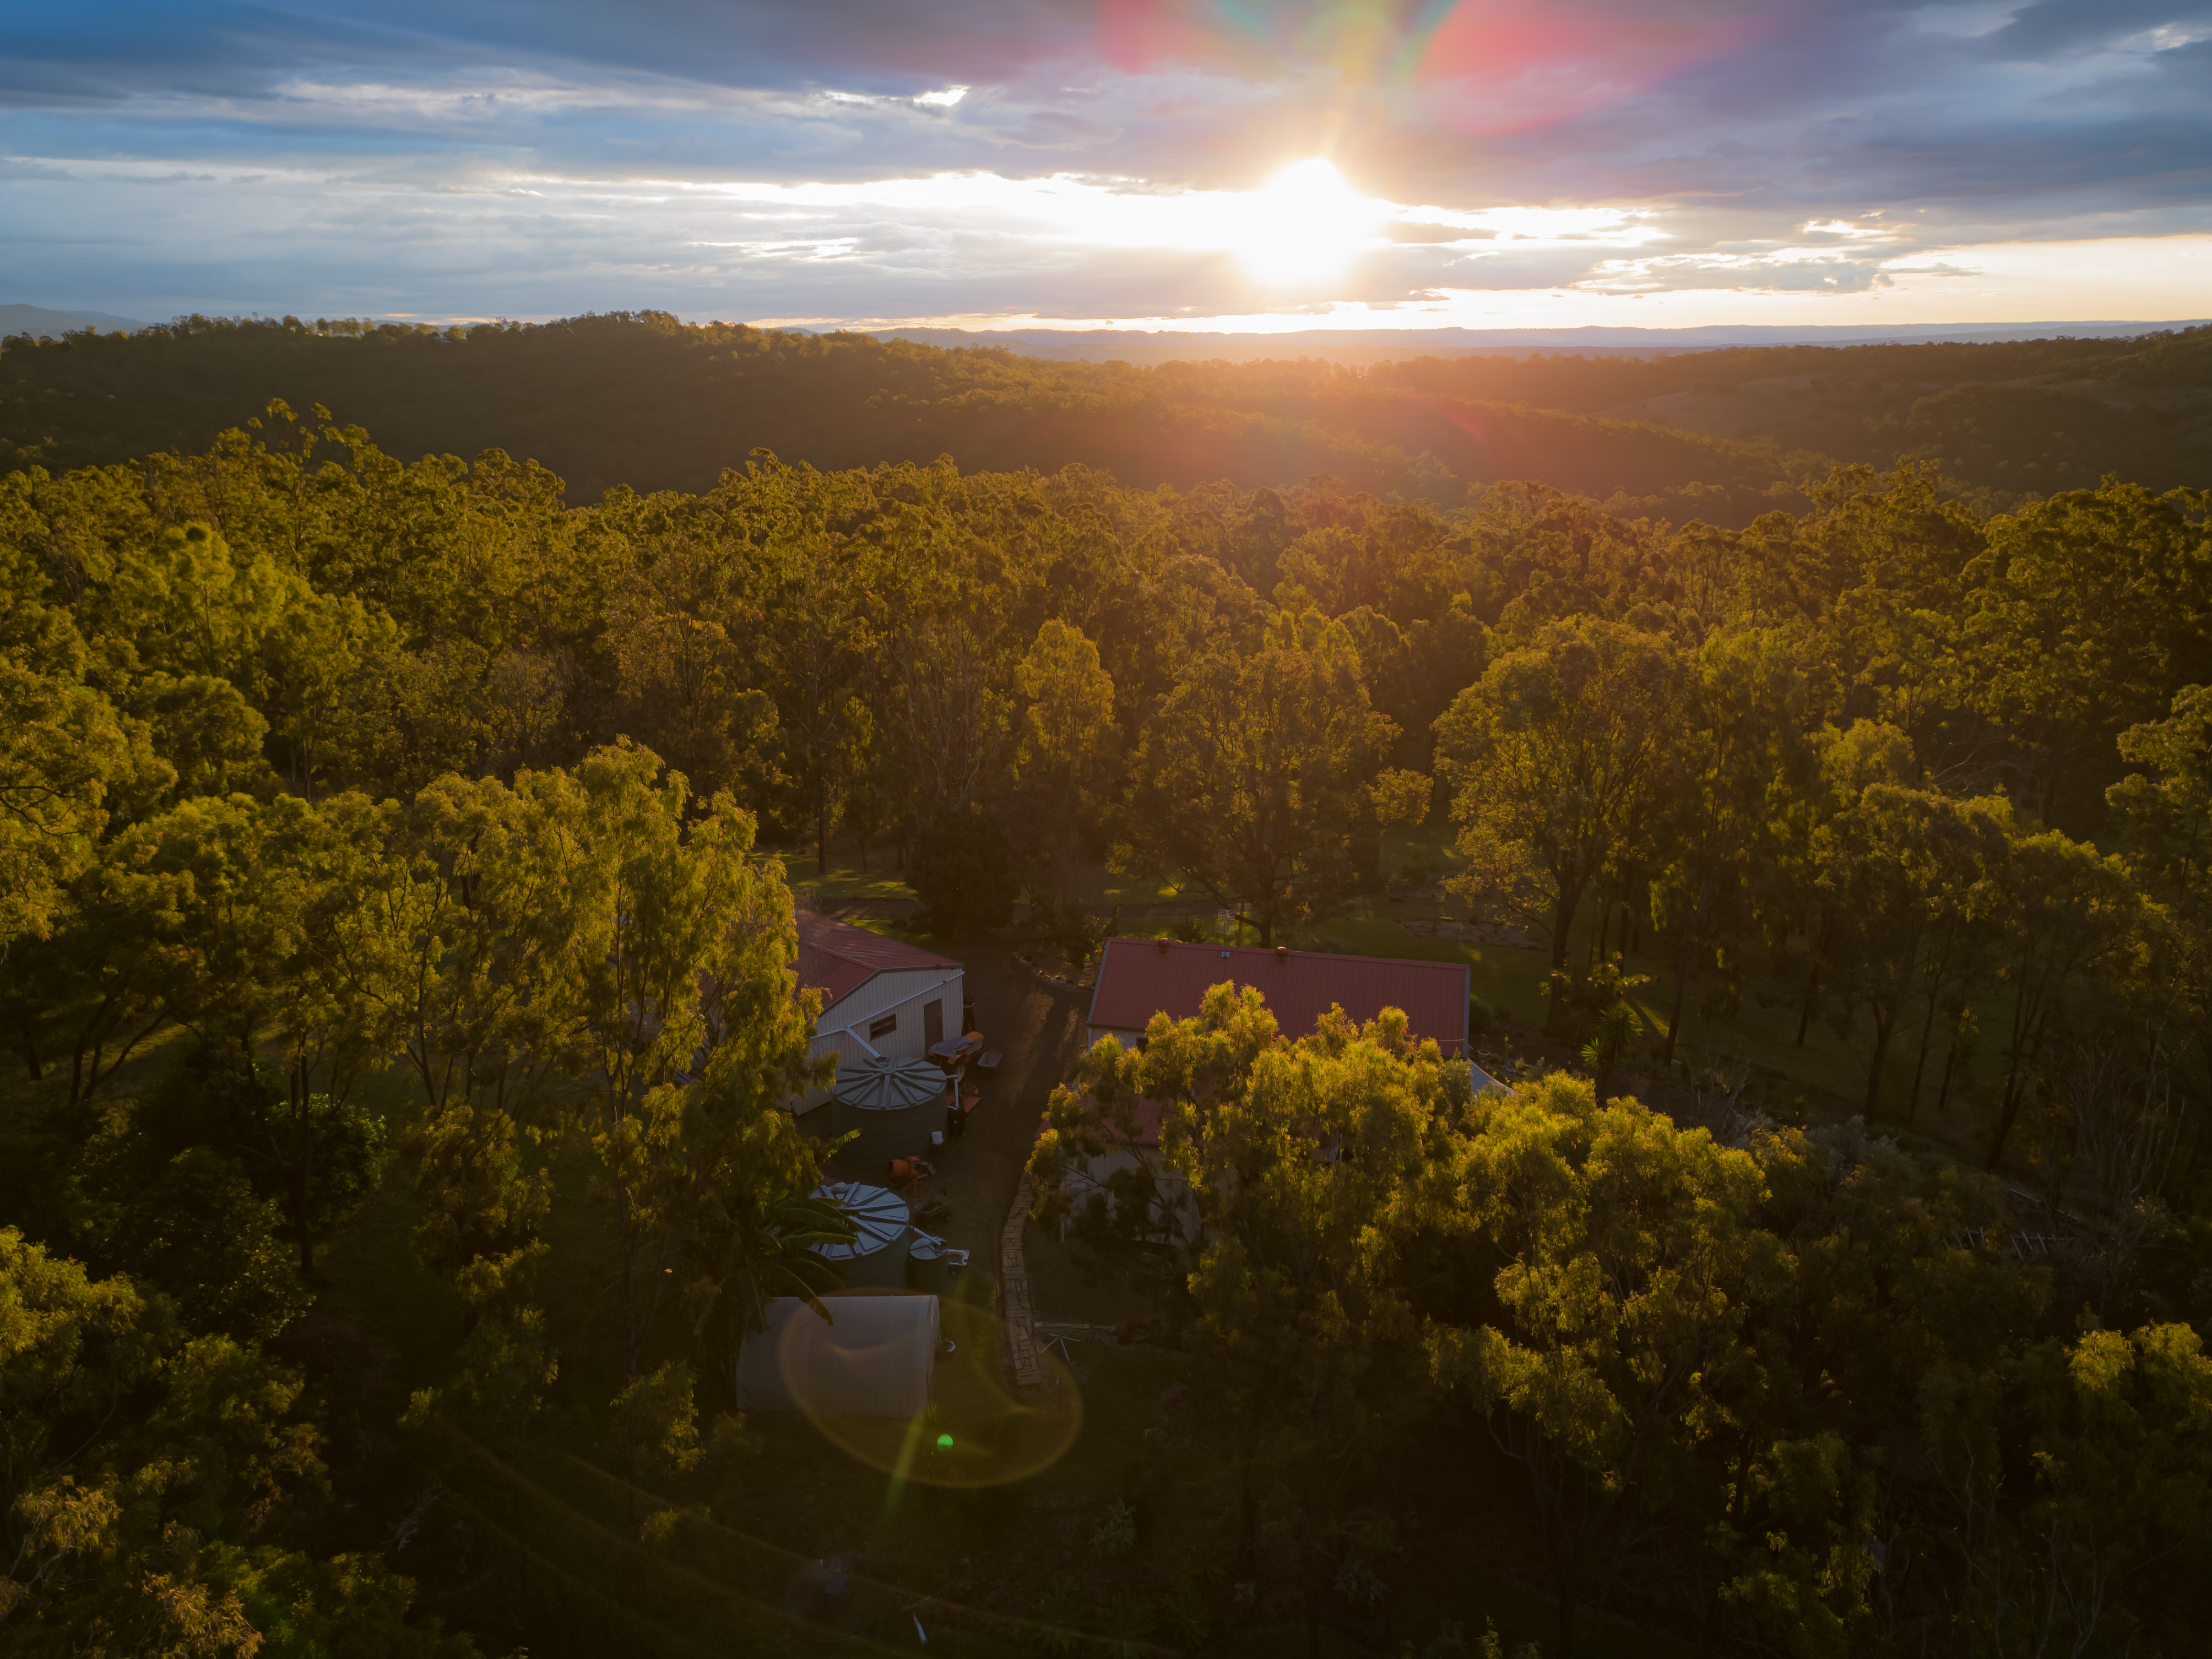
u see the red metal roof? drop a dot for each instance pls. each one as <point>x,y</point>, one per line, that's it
<point>837,959</point>
<point>1137,978</point>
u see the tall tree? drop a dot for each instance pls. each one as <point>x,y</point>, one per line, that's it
<point>1557,758</point>
<point>679,977</point>
<point>1309,1169</point>
<point>62,750</point>
<point>1742,751</point>
<point>2067,913</point>
<point>1252,782</point>
<point>1063,773</point>
<point>1912,879</point>
<point>2089,612</point>
<point>1631,1264</point>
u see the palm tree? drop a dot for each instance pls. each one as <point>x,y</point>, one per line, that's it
<point>757,1245</point>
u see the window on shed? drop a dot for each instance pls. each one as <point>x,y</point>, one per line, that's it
<point>884,1027</point>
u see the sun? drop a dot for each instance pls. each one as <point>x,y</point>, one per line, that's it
<point>1303,225</point>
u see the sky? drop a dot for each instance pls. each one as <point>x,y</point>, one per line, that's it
<point>1176,164</point>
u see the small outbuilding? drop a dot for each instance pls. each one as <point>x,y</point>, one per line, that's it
<point>882,999</point>
<point>875,1356</point>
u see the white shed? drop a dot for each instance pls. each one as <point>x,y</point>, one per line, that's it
<point>874,1357</point>
<point>881,998</point>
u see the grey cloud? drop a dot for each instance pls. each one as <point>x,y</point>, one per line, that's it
<point>1830,111</point>
<point>2052,26</point>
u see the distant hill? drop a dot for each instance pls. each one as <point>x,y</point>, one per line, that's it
<point>2007,418</point>
<point>45,324</point>
<point>641,400</point>
<point>1358,348</point>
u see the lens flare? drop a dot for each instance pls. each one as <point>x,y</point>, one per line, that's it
<point>1477,66</point>
<point>1303,225</point>
<point>977,1432</point>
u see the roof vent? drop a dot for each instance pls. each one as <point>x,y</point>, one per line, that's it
<point>1163,943</point>
<point>1282,953</point>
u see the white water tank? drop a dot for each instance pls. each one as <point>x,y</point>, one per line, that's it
<point>893,1104</point>
<point>884,1225</point>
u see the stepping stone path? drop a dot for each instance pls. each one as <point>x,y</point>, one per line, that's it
<point>1014,1294</point>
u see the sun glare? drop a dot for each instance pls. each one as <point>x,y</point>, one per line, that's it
<point>1304,224</point>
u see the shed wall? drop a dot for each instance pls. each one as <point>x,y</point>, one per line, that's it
<point>843,1026</point>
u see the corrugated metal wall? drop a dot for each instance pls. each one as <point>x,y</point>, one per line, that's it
<point>905,992</point>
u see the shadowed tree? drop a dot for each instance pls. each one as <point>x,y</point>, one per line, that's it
<point>1557,759</point>
<point>1252,782</point>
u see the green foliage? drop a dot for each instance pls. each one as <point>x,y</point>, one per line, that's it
<point>198,1229</point>
<point>964,872</point>
<point>1634,1263</point>
<point>1057,1625</point>
<point>1115,1534</point>
<point>483,1207</point>
<point>1558,757</point>
<point>689,398</point>
<point>1255,783</point>
<point>656,1423</point>
<point>342,1607</point>
<point>675,1004</point>
<point>337,764</point>
<point>1293,1180</point>
<point>754,1235</point>
<point>2120,1481</point>
<point>317,1158</point>
<point>138,1457</point>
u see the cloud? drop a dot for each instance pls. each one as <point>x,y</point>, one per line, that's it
<point>2039,33</point>
<point>1730,146</point>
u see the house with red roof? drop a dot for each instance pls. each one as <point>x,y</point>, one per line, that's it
<point>1139,977</point>
<point>880,997</point>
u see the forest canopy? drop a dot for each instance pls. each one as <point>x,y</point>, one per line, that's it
<point>318,764</point>
<point>642,400</point>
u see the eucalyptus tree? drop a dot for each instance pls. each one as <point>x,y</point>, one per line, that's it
<point>1064,757</point>
<point>1743,754</point>
<point>1631,1266</point>
<point>2067,914</point>
<point>1558,758</point>
<point>64,751</point>
<point>1295,1180</point>
<point>1914,881</point>
<point>674,1003</point>
<point>2089,612</point>
<point>1252,782</point>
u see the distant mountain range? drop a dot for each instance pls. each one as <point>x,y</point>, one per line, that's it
<point>1351,347</point>
<point>640,399</point>
<point>1363,347</point>
<point>52,324</point>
